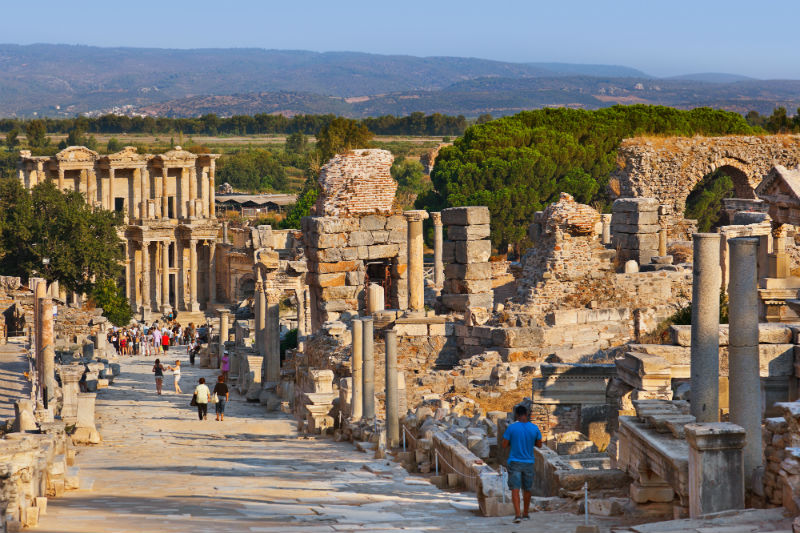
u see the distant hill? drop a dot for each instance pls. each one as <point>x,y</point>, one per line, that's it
<point>64,80</point>
<point>712,77</point>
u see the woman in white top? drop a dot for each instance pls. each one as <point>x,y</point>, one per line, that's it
<point>176,376</point>
<point>202,396</point>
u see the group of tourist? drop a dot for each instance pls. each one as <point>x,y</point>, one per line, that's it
<point>202,395</point>
<point>154,339</point>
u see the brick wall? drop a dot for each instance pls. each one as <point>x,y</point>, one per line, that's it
<point>357,183</point>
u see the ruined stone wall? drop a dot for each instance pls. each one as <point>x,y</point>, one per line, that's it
<point>337,250</point>
<point>669,168</point>
<point>357,182</point>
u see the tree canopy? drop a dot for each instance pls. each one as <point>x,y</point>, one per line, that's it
<point>340,135</point>
<point>252,170</point>
<point>517,165</point>
<point>56,235</point>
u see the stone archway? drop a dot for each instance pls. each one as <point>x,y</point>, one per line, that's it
<point>668,169</point>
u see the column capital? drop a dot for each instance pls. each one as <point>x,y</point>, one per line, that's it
<point>274,296</point>
<point>436,216</point>
<point>416,215</point>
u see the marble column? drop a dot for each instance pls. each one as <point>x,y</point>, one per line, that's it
<point>416,274</point>
<point>39,293</point>
<point>272,334</point>
<point>368,375</point>
<point>110,191</point>
<point>194,306</point>
<point>129,267</point>
<point>438,263</point>
<point>224,328</point>
<point>192,191</point>
<point>225,232</point>
<point>261,318</point>
<point>662,242</point>
<point>146,308</point>
<point>46,333</point>
<point>164,197</point>
<point>211,192</point>
<point>92,187</point>
<point>165,306</point>
<point>144,186</point>
<point>357,361</point>
<point>392,396</point>
<point>744,383</point>
<point>212,274</point>
<point>61,179</point>
<point>301,320</point>
<point>706,282</point>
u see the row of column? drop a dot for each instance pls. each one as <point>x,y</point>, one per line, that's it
<point>363,371</point>
<point>89,184</point>
<point>744,381</point>
<point>143,274</point>
<point>268,329</point>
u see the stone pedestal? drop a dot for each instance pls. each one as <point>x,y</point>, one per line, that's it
<point>70,376</point>
<point>716,467</point>
<point>743,359</point>
<point>706,283</point>
<point>416,273</point>
<point>357,362</point>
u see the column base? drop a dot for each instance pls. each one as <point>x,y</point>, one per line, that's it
<point>194,307</point>
<point>414,313</point>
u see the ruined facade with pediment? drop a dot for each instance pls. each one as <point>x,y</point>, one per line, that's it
<point>167,201</point>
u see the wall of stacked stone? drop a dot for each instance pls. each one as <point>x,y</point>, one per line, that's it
<point>356,183</point>
<point>668,169</point>
<point>781,441</point>
<point>466,252</point>
<point>337,251</point>
<point>634,229</point>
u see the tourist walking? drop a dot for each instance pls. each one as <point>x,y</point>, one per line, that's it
<point>165,341</point>
<point>176,376</point>
<point>521,436</point>
<point>221,396</point>
<point>200,398</point>
<point>158,368</point>
<point>225,365</point>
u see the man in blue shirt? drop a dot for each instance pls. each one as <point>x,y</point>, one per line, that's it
<point>521,436</point>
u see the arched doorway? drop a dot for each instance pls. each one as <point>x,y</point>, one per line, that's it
<point>705,201</point>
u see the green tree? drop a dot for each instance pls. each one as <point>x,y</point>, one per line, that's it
<point>517,165</point>
<point>704,203</point>
<point>302,208</point>
<point>341,135</point>
<point>114,145</point>
<point>483,119</point>
<point>252,170</point>
<point>410,176</point>
<point>296,143</point>
<point>57,235</point>
<point>36,133</point>
<point>12,139</point>
<point>111,297</point>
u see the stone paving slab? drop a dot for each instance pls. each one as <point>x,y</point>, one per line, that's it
<point>161,469</point>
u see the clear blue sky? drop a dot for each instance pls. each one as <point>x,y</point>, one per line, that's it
<point>666,37</point>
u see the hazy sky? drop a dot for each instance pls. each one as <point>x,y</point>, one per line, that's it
<point>666,37</point>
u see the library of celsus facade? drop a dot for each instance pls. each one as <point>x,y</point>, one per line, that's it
<point>170,231</point>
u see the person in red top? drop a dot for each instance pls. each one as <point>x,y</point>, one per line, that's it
<point>165,341</point>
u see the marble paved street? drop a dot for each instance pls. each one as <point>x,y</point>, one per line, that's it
<point>159,469</point>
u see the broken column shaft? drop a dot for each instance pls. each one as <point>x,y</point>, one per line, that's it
<point>368,347</point>
<point>706,280</point>
<point>438,262</point>
<point>743,363</point>
<point>223,329</point>
<point>46,332</point>
<point>392,396</point>
<point>357,361</point>
<point>416,273</point>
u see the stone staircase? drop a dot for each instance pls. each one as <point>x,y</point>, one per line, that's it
<point>13,384</point>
